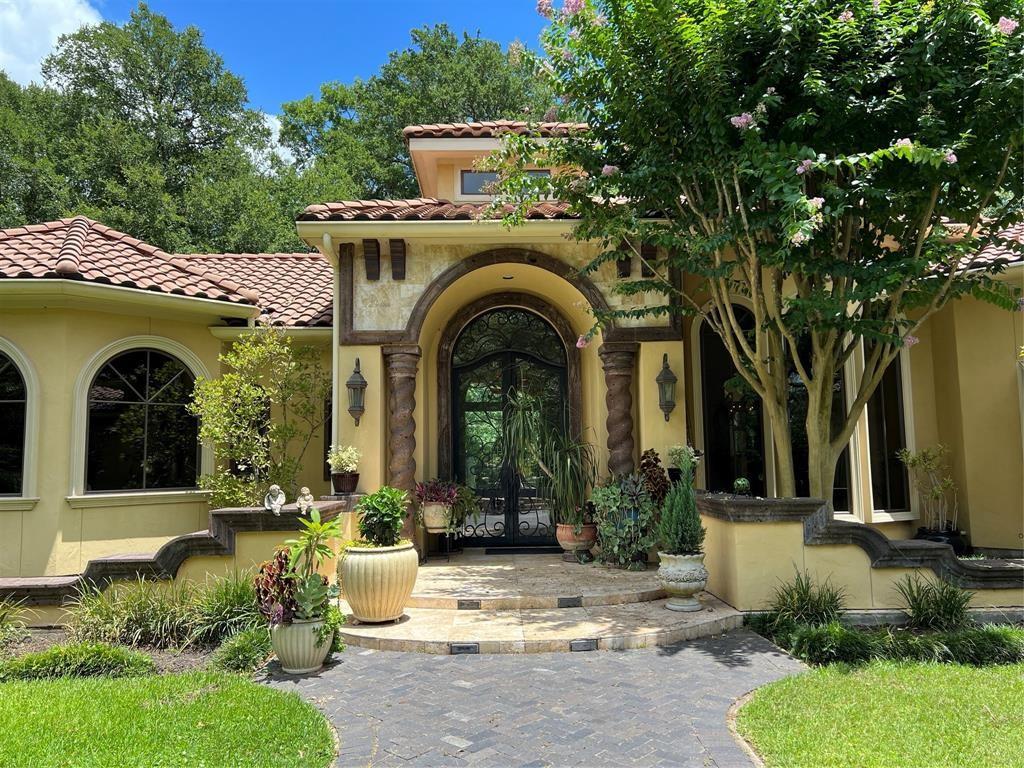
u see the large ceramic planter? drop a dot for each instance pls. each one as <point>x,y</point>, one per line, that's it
<point>296,647</point>
<point>577,546</point>
<point>436,516</point>
<point>955,539</point>
<point>344,482</point>
<point>682,577</point>
<point>377,581</point>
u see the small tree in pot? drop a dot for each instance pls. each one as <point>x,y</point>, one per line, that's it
<point>295,598</point>
<point>344,461</point>
<point>378,573</point>
<point>682,573</point>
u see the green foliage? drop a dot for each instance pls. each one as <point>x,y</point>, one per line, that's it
<point>356,130</point>
<point>802,601</point>
<point>624,514</point>
<point>343,458</point>
<point>933,484</point>
<point>805,155</point>
<point>162,614</point>
<point>679,528</point>
<point>934,604</point>
<point>77,660</point>
<point>199,718</point>
<point>654,475</point>
<point>12,627</point>
<point>333,620</point>
<point>243,652</point>
<point>261,413</point>
<point>382,514</point>
<point>565,466</point>
<point>223,607</point>
<point>833,642</point>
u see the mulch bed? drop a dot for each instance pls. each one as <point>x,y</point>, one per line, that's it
<point>167,661</point>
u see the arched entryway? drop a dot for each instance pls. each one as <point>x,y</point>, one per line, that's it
<point>494,347</point>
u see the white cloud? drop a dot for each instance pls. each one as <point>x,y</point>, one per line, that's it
<point>30,28</point>
<point>274,124</point>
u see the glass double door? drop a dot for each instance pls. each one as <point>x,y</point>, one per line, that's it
<point>513,513</point>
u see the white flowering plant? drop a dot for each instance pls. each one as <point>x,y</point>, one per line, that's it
<point>343,458</point>
<point>841,166</point>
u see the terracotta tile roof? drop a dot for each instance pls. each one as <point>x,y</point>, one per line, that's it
<point>83,249</point>
<point>997,252</point>
<point>294,288</point>
<point>487,130</point>
<point>419,209</point>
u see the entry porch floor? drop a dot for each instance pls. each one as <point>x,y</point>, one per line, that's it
<point>480,603</point>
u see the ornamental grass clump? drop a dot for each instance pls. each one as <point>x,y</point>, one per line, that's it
<point>77,660</point>
<point>224,607</point>
<point>801,601</point>
<point>140,613</point>
<point>934,604</point>
<point>679,529</point>
<point>245,652</point>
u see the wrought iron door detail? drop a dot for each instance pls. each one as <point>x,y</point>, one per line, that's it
<point>499,352</point>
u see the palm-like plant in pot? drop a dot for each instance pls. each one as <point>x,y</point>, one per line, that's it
<point>568,469</point>
<point>296,599</point>
<point>681,571</point>
<point>379,572</point>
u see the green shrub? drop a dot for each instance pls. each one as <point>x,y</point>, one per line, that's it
<point>803,602</point>
<point>246,651</point>
<point>78,660</point>
<point>382,514</point>
<point>141,613</point>
<point>679,528</point>
<point>833,642</point>
<point>224,607</point>
<point>12,628</point>
<point>934,604</point>
<point>980,646</point>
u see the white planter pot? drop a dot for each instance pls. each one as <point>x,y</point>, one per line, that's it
<point>377,582</point>
<point>682,577</point>
<point>296,647</point>
<point>436,516</point>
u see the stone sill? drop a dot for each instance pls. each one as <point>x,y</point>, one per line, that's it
<point>135,498</point>
<point>17,503</point>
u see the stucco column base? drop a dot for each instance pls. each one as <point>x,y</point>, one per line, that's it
<point>401,362</point>
<point>618,359</point>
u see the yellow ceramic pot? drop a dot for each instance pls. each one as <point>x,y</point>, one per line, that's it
<point>377,581</point>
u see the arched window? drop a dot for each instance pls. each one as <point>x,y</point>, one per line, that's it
<point>13,413</point>
<point>140,435</point>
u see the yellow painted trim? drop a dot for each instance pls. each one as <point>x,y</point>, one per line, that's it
<point>462,231</point>
<point>18,503</point>
<point>29,292</point>
<point>305,335</point>
<point>134,498</point>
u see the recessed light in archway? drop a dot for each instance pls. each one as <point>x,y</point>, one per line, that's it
<point>507,277</point>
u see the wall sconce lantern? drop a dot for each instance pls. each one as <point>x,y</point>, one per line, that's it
<point>666,388</point>
<point>356,394</point>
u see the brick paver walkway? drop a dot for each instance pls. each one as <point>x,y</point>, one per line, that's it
<point>652,707</point>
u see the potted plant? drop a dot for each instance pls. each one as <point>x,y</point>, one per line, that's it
<point>567,469</point>
<point>681,568</point>
<point>679,456</point>
<point>624,514</point>
<point>436,498</point>
<point>379,572</point>
<point>295,598</point>
<point>344,461</point>
<point>938,497</point>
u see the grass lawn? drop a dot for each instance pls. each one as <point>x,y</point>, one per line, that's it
<point>892,715</point>
<point>194,719</point>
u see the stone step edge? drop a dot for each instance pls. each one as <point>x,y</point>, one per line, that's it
<point>618,642</point>
<point>530,602</point>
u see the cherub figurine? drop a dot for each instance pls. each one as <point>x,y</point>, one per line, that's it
<point>274,500</point>
<point>305,501</point>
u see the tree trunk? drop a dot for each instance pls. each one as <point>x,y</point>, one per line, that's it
<point>785,480</point>
<point>821,460</point>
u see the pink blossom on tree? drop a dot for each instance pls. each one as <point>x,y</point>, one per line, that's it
<point>743,121</point>
<point>544,8</point>
<point>909,341</point>
<point>904,143</point>
<point>950,158</point>
<point>609,170</point>
<point>804,167</point>
<point>1007,26</point>
<point>582,342</point>
<point>572,7</point>
<point>816,202</point>
<point>846,16</point>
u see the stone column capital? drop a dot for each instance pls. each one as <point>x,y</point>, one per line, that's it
<point>618,355</point>
<point>402,363</point>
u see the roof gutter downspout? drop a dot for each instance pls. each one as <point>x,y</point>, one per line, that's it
<point>328,251</point>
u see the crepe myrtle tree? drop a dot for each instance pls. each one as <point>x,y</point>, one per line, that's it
<point>838,165</point>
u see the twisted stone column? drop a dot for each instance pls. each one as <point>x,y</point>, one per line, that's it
<point>401,362</point>
<point>618,359</point>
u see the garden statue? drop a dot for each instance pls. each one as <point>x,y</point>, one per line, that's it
<point>305,501</point>
<point>274,500</point>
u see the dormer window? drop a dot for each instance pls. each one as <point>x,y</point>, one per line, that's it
<point>479,182</point>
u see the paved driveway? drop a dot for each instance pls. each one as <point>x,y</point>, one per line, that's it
<point>653,707</point>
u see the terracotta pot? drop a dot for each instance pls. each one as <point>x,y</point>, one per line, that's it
<point>682,577</point>
<point>296,647</point>
<point>344,482</point>
<point>377,581</point>
<point>576,546</point>
<point>436,516</point>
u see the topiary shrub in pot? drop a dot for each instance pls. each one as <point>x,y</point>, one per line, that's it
<point>681,571</point>
<point>296,599</point>
<point>379,572</point>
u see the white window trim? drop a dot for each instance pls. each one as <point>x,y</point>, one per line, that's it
<point>80,414</point>
<point>914,513</point>
<point>27,498</point>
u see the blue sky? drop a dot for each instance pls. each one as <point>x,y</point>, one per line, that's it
<point>283,50</point>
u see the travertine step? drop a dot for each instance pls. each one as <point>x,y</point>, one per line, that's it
<point>601,627</point>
